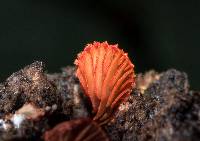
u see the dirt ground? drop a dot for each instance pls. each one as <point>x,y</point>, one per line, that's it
<point>160,108</point>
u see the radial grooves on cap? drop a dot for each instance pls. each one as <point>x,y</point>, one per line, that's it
<point>106,88</point>
<point>107,77</point>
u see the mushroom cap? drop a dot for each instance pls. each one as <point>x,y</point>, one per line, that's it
<point>82,129</point>
<point>107,77</point>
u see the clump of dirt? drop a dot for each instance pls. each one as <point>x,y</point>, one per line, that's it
<point>74,103</point>
<point>161,107</point>
<point>166,110</point>
<point>177,114</point>
<point>58,95</point>
<point>27,85</point>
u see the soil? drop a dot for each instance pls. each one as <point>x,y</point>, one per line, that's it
<point>160,108</point>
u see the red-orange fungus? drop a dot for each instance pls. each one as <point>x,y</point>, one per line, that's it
<point>82,129</point>
<point>107,77</point>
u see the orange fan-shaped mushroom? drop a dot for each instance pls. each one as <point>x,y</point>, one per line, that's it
<point>107,77</point>
<point>76,130</point>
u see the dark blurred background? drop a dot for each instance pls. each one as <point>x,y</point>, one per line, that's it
<point>156,34</point>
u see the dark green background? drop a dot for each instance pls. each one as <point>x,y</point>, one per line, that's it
<point>157,34</point>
